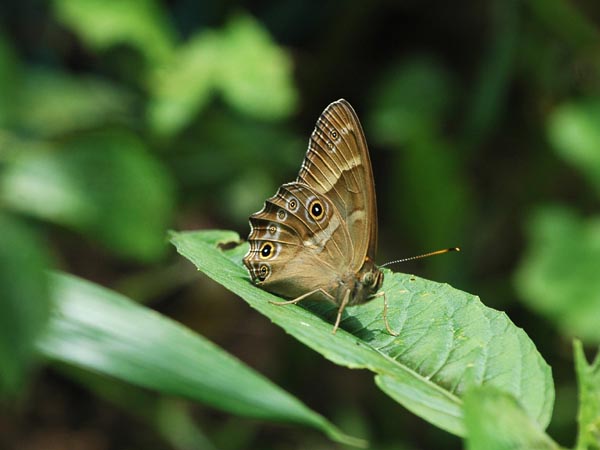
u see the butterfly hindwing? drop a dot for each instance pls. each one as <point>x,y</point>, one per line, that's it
<point>300,237</point>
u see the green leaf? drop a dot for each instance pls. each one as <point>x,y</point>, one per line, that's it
<point>566,20</point>
<point>573,130</point>
<point>24,301</point>
<point>558,276</point>
<point>426,166</point>
<point>448,340</point>
<point>410,101</point>
<point>102,24</point>
<point>255,75</point>
<point>10,78</point>
<point>100,330</point>
<point>488,94</point>
<point>53,103</point>
<point>495,421</point>
<point>241,61</point>
<point>105,185</point>
<point>588,376</point>
<point>182,85</point>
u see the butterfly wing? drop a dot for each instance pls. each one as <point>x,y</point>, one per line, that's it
<point>337,165</point>
<point>298,243</point>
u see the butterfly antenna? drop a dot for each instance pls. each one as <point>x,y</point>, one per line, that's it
<point>425,255</point>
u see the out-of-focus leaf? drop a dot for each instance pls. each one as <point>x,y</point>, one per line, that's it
<point>407,116</point>
<point>183,84</point>
<point>575,134</point>
<point>488,95</point>
<point>448,340</point>
<point>52,103</point>
<point>24,301</point>
<point>410,102</point>
<point>241,61</point>
<point>9,82</point>
<point>255,75</point>
<point>558,276</point>
<point>106,185</point>
<point>495,421</point>
<point>588,376</point>
<point>239,149</point>
<point>102,24</point>
<point>170,417</point>
<point>567,20</point>
<point>100,330</point>
<point>428,167</point>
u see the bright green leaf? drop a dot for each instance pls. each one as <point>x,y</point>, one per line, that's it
<point>558,276</point>
<point>24,301</point>
<point>102,24</point>
<point>449,341</point>
<point>495,421</point>
<point>100,330</point>
<point>588,376</point>
<point>574,132</point>
<point>183,84</point>
<point>105,185</point>
<point>255,75</point>
<point>53,103</point>
<point>241,60</point>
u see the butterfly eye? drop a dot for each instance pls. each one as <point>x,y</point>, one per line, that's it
<point>316,210</point>
<point>263,272</point>
<point>266,250</point>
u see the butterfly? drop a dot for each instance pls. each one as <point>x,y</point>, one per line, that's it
<point>317,236</point>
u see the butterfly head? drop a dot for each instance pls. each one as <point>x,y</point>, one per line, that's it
<point>368,281</point>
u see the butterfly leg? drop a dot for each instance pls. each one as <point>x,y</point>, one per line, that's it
<point>385,313</point>
<point>303,296</point>
<point>345,301</point>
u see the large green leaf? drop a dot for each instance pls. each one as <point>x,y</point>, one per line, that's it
<point>448,342</point>
<point>106,185</point>
<point>558,276</point>
<point>495,421</point>
<point>588,377</point>
<point>97,329</point>
<point>24,301</point>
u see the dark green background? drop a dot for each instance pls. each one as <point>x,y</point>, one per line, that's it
<point>120,120</point>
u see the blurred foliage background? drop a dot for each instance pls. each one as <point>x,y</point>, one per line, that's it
<point>122,119</point>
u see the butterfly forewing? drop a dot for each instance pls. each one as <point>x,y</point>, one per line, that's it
<point>337,165</point>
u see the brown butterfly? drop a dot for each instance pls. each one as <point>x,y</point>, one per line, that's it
<point>317,236</point>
